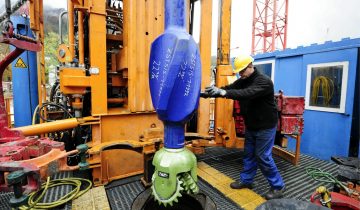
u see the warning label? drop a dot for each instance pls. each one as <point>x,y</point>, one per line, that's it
<point>20,63</point>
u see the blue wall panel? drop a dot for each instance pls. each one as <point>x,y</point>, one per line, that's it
<point>327,134</point>
<point>288,74</point>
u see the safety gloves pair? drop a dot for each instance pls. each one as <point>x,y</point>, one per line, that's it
<point>213,92</point>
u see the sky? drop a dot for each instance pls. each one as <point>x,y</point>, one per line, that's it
<point>309,21</point>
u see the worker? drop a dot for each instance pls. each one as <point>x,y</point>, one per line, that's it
<point>255,92</point>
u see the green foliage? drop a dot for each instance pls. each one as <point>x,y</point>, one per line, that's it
<point>51,43</point>
<point>51,40</point>
<point>4,51</point>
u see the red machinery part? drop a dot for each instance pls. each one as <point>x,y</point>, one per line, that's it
<point>36,169</point>
<point>338,201</point>
<point>291,124</point>
<point>292,105</point>
<point>21,44</point>
<point>32,176</point>
<point>290,108</point>
<point>36,158</point>
<point>29,147</point>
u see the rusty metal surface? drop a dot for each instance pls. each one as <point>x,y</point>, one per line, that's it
<point>26,148</point>
<point>38,158</point>
<point>291,124</point>
<point>292,105</point>
<point>290,108</point>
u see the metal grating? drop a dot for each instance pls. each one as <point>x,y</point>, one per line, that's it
<point>51,195</point>
<point>221,201</point>
<point>55,193</point>
<point>4,200</point>
<point>298,184</point>
<point>122,193</point>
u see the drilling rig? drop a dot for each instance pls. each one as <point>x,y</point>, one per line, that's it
<point>129,80</point>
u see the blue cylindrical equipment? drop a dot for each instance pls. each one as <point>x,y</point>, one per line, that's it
<point>24,77</point>
<point>175,14</point>
<point>175,74</point>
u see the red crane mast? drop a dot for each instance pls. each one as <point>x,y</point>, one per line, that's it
<point>269,29</point>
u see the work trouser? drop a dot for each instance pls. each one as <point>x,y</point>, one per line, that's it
<point>258,148</point>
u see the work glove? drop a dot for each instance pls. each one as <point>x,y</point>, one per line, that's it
<point>215,92</point>
<point>204,94</point>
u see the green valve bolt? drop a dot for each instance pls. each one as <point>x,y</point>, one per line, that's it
<point>15,179</point>
<point>82,148</point>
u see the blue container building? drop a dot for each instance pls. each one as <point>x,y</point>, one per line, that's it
<point>327,75</point>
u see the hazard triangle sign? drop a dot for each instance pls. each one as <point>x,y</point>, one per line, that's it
<point>20,63</point>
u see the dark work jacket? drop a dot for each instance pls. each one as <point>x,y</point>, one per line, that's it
<point>257,102</point>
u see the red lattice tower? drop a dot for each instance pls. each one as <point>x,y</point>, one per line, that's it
<point>269,27</point>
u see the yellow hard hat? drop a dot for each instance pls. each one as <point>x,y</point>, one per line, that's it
<point>241,62</point>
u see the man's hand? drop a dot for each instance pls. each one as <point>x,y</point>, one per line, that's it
<point>204,94</point>
<point>215,92</point>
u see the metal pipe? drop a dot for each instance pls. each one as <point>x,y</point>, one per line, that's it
<point>254,20</point>
<point>286,23</point>
<point>70,6</point>
<point>274,29</point>
<point>16,6</point>
<point>3,64</point>
<point>60,26</point>
<point>81,37</point>
<point>8,8</point>
<point>225,137</point>
<point>48,127</point>
<point>175,14</point>
<point>265,26</point>
<point>192,10</point>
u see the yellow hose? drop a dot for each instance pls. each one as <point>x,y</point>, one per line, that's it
<point>327,89</point>
<point>38,195</point>
<point>34,115</point>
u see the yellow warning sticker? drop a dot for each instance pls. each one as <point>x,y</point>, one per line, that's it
<point>20,63</point>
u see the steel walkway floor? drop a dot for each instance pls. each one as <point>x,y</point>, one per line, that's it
<point>122,193</point>
<point>299,185</point>
<point>228,161</point>
<point>51,195</point>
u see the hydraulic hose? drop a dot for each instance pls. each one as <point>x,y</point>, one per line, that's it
<point>35,197</point>
<point>321,176</point>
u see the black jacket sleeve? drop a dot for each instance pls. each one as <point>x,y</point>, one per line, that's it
<point>259,87</point>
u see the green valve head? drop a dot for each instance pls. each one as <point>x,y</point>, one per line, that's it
<point>175,171</point>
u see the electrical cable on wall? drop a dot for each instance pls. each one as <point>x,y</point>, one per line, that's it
<point>327,89</point>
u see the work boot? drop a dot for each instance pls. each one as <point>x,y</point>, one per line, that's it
<point>274,194</point>
<point>239,185</point>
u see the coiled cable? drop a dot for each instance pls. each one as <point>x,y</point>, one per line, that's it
<point>327,89</point>
<point>326,177</point>
<point>35,197</point>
